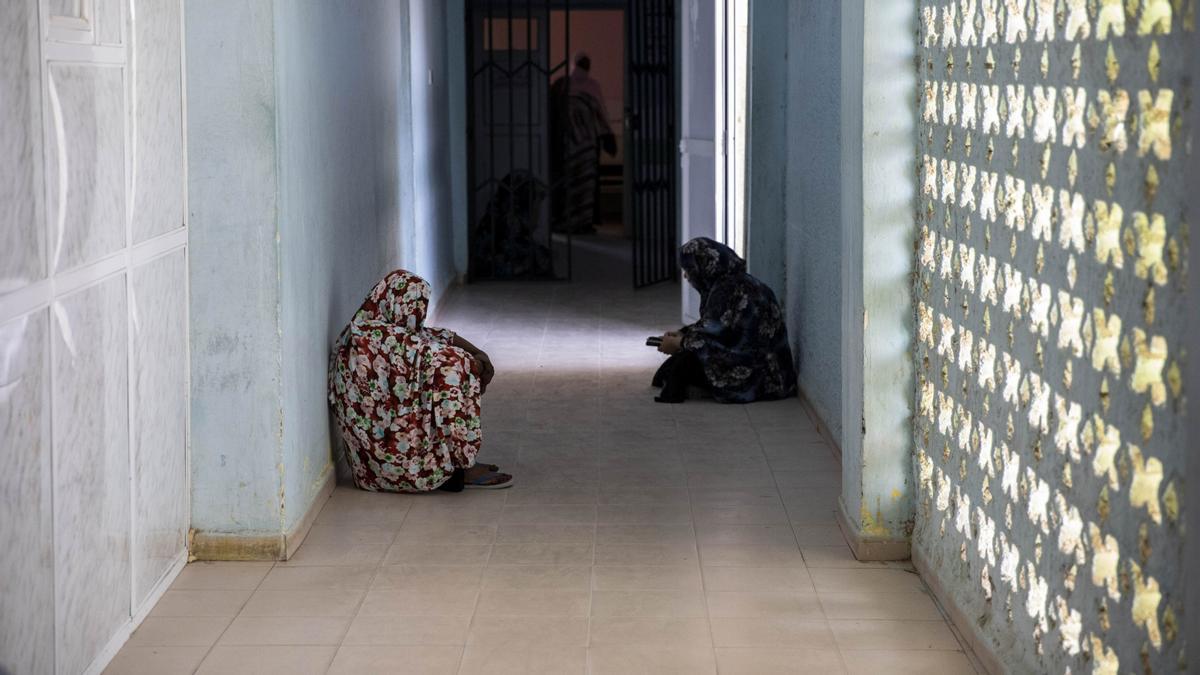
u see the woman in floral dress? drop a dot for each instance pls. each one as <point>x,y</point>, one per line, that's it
<point>406,396</point>
<point>738,350</point>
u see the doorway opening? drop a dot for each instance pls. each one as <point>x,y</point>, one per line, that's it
<point>571,136</point>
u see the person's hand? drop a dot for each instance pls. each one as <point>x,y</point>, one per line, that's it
<point>672,343</point>
<point>481,363</point>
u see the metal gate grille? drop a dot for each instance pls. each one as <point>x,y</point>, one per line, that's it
<point>509,139</point>
<point>650,134</point>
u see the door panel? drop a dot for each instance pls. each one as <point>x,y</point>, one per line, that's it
<point>700,172</point>
<point>509,162</point>
<point>650,140</point>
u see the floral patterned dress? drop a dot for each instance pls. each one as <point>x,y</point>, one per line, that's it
<point>405,399</point>
<point>741,338</point>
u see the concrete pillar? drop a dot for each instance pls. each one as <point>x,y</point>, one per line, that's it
<point>878,90</point>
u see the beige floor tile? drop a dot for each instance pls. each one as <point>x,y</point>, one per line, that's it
<point>431,602</point>
<point>837,556</point>
<point>772,661</point>
<point>907,662</point>
<point>682,553</point>
<point>542,554</point>
<point>739,604</point>
<point>789,632</point>
<point>133,660</point>
<point>427,577</point>
<point>406,553</point>
<point>646,534</point>
<point>302,603</point>
<point>532,602</point>
<point>324,578</point>
<point>520,496</point>
<point>751,556</point>
<point>200,603</point>
<point>549,514</point>
<point>644,514</point>
<point>342,545</point>
<point>183,631</point>
<point>548,577</point>
<point>677,496</point>
<point>654,604</point>
<point>835,580</point>
<point>227,576</point>
<point>670,631</point>
<point>914,606</point>
<point>408,630</point>
<point>819,535</point>
<point>498,659</point>
<point>731,479</point>
<point>651,660</point>
<point>713,534</point>
<point>285,630</point>
<point>545,534</point>
<point>387,660</point>
<point>745,578</point>
<point>726,514</point>
<point>267,660</point>
<point>452,518</point>
<point>877,634</point>
<point>420,533</point>
<point>763,496</point>
<point>349,506</point>
<point>647,578</point>
<point>521,632</point>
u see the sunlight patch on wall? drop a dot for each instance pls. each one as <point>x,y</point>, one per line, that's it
<point>1049,319</point>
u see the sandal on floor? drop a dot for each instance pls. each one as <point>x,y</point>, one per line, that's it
<point>491,480</point>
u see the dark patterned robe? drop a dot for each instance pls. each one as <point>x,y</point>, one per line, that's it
<point>740,339</point>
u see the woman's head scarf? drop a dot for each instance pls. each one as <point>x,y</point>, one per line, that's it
<point>706,262</point>
<point>401,299</point>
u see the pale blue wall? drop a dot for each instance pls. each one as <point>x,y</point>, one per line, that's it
<point>339,119</point>
<point>429,248</point>
<point>234,267</point>
<point>813,202</point>
<point>319,160</point>
<point>766,156</point>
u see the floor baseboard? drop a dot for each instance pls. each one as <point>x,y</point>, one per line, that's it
<point>835,444</point>
<point>982,656</point>
<point>215,546</point>
<point>293,539</point>
<point>867,548</point>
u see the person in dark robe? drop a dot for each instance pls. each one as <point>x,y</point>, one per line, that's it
<point>738,351</point>
<point>579,131</point>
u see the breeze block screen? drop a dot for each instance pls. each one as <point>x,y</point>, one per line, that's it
<point>1050,310</point>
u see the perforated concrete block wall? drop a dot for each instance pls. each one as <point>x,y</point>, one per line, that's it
<point>1050,315</point>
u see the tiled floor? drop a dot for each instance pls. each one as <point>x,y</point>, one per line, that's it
<point>641,538</point>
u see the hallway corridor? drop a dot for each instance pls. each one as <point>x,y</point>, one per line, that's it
<point>640,538</point>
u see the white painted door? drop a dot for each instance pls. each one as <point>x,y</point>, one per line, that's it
<point>701,174</point>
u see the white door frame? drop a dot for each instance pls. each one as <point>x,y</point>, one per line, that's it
<point>702,138</point>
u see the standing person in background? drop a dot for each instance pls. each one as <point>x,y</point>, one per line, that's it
<point>579,131</point>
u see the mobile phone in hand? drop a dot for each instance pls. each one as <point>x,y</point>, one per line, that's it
<point>654,341</point>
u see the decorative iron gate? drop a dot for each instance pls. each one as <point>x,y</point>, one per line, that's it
<point>509,139</point>
<point>651,139</point>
